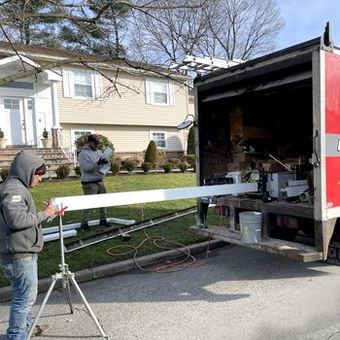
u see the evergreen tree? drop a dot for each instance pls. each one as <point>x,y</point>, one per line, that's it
<point>151,153</point>
<point>31,22</point>
<point>104,36</point>
<point>191,142</point>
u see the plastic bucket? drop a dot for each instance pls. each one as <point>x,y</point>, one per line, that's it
<point>251,226</point>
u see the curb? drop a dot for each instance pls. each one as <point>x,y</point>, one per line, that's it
<point>123,266</point>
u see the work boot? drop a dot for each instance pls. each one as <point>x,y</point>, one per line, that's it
<point>85,227</point>
<point>40,330</point>
<point>105,224</point>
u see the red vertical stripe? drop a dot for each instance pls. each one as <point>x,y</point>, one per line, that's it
<point>333,181</point>
<point>332,93</point>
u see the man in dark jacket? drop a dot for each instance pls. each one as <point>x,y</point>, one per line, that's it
<point>21,238</point>
<point>90,160</point>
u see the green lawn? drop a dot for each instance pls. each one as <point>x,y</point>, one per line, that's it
<point>95,255</point>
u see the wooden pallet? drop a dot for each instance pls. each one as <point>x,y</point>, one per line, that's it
<point>292,250</point>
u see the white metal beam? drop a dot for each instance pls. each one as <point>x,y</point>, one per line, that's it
<point>145,196</point>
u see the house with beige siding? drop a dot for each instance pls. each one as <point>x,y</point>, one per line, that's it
<point>69,94</point>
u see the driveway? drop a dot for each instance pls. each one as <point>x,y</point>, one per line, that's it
<point>235,293</point>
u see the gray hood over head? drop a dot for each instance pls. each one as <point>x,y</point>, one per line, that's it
<point>23,167</point>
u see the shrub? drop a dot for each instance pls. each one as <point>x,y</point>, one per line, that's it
<point>137,160</point>
<point>167,167</point>
<point>190,159</point>
<point>118,160</point>
<point>183,166</point>
<point>115,167</point>
<point>2,135</point>
<point>161,157</point>
<point>146,166</point>
<point>77,170</point>
<point>129,164</point>
<point>151,154</point>
<point>63,171</point>
<point>4,173</point>
<point>191,142</point>
<point>174,161</point>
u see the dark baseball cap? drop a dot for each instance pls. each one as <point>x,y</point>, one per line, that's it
<point>93,139</point>
<point>41,171</point>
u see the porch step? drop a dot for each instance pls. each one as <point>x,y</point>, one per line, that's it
<point>53,157</point>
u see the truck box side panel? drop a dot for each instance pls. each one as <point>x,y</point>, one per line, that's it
<point>332,129</point>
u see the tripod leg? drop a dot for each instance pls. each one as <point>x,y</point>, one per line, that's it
<point>54,281</point>
<point>68,295</point>
<point>88,307</point>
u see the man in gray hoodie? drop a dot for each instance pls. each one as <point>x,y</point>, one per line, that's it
<point>21,238</point>
<point>90,160</point>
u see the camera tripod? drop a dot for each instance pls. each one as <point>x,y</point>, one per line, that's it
<point>66,276</point>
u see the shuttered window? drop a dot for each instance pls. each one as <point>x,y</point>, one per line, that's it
<point>81,84</point>
<point>159,92</point>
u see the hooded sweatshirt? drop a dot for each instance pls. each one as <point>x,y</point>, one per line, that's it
<point>20,230</point>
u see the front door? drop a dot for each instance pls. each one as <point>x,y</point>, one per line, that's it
<point>17,120</point>
<point>29,123</point>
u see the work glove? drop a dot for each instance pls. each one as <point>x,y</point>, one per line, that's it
<point>102,161</point>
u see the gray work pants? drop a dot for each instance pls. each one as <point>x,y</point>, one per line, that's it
<point>93,189</point>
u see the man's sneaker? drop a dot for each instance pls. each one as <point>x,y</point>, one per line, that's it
<point>40,330</point>
<point>85,227</point>
<point>105,224</point>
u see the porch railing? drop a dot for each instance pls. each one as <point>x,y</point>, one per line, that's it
<point>67,150</point>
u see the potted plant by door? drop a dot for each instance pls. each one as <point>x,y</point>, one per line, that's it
<point>46,141</point>
<point>3,140</point>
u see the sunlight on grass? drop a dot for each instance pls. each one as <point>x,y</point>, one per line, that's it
<point>95,255</point>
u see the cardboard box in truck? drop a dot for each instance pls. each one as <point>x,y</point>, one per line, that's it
<point>276,120</point>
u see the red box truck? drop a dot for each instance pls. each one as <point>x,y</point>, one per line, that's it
<point>275,120</point>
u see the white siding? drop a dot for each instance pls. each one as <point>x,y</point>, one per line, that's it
<point>129,138</point>
<point>127,107</point>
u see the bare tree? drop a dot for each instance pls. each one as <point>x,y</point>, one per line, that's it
<point>221,28</point>
<point>167,34</point>
<point>241,28</point>
<point>160,30</point>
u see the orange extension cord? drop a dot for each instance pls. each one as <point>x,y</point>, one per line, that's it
<point>188,261</point>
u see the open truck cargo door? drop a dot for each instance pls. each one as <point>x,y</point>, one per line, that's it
<point>326,157</point>
<point>329,131</point>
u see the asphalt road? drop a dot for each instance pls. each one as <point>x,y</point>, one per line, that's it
<point>235,293</point>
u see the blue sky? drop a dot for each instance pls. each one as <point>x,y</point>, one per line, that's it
<point>306,19</point>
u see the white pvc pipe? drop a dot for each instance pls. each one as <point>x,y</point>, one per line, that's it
<point>55,236</point>
<point>76,225</point>
<point>144,196</point>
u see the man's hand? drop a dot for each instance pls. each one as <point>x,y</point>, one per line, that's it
<point>102,161</point>
<point>50,209</point>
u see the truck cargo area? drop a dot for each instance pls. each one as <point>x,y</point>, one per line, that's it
<point>255,123</point>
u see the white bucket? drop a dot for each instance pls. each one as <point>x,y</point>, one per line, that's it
<point>251,225</point>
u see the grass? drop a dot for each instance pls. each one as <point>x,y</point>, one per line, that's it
<point>175,231</point>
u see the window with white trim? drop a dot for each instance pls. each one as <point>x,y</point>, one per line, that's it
<point>82,84</point>
<point>76,133</point>
<point>11,104</point>
<point>159,92</point>
<point>159,138</point>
